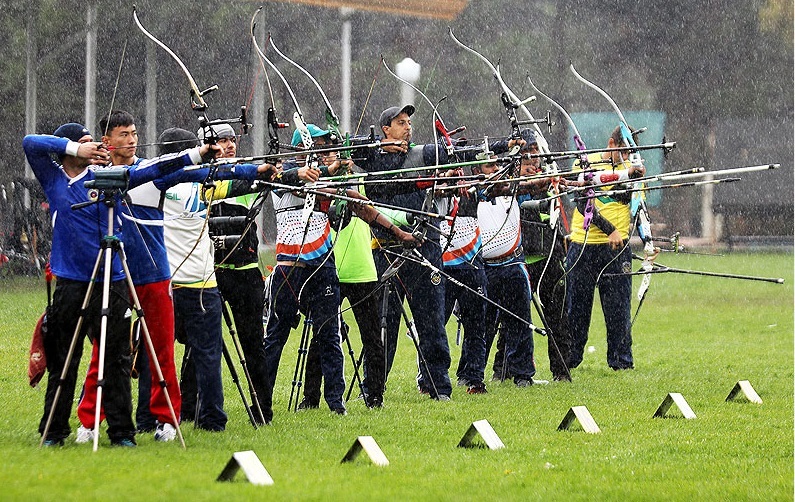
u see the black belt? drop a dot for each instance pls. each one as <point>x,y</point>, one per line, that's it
<point>517,253</point>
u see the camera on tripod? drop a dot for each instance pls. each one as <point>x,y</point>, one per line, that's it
<point>110,178</point>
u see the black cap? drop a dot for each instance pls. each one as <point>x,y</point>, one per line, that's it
<point>175,140</point>
<point>388,115</point>
<point>529,137</point>
<point>72,131</point>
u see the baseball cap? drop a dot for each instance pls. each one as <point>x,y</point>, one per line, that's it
<point>175,140</point>
<point>529,137</point>
<point>72,131</point>
<point>388,115</point>
<point>218,131</point>
<point>314,131</point>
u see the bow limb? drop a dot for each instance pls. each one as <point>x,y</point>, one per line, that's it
<point>580,145</point>
<point>332,120</point>
<point>543,145</point>
<point>199,104</point>
<point>273,122</point>
<point>638,204</point>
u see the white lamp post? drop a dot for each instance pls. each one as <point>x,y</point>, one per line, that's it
<point>408,70</point>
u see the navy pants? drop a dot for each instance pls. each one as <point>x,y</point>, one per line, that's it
<point>585,265</point>
<point>509,286</point>
<point>472,312</point>
<point>424,291</point>
<point>364,304</point>
<point>320,300</point>
<point>197,320</point>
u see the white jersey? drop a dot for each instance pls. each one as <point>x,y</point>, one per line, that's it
<point>500,230</point>
<point>295,240</point>
<point>184,222</point>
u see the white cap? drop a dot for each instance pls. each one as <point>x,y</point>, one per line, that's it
<point>218,131</point>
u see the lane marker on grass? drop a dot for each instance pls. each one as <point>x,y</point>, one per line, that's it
<point>252,467</point>
<point>747,390</point>
<point>677,399</point>
<point>486,431</point>
<point>581,415</point>
<point>368,444</point>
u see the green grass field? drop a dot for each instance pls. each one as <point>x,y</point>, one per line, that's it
<point>695,335</point>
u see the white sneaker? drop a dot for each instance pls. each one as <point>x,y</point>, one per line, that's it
<point>84,435</point>
<point>165,432</point>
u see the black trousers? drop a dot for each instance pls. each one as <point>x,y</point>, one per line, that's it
<point>243,290</point>
<point>61,323</point>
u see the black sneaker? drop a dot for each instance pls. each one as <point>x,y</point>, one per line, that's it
<point>124,443</point>
<point>374,401</point>
<point>441,397</point>
<point>561,378</point>
<point>523,382</point>
<point>306,404</point>
<point>51,443</point>
<point>477,388</point>
<point>339,411</point>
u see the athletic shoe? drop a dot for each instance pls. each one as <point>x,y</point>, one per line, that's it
<point>523,382</point>
<point>441,397</point>
<point>477,388</point>
<point>561,378</point>
<point>50,443</point>
<point>84,435</point>
<point>165,433</point>
<point>339,411</point>
<point>538,381</point>
<point>305,404</point>
<point>374,401</point>
<point>124,443</point>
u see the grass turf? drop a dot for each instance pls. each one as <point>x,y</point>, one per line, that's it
<point>695,335</point>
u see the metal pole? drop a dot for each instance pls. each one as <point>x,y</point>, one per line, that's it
<point>151,100</point>
<point>345,82</point>
<point>30,86</point>
<point>91,67</point>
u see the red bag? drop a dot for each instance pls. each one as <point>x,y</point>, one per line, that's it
<point>37,365</point>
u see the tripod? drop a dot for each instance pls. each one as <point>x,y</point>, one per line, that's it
<point>109,244</point>
<point>241,357</point>
<point>187,365</point>
<point>300,362</point>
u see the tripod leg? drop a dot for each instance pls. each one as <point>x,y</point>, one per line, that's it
<point>345,329</point>
<point>103,338</point>
<point>71,351</point>
<point>241,357</point>
<point>300,363</point>
<point>384,317</point>
<point>356,365</point>
<point>550,335</point>
<point>236,380</point>
<point>153,361</point>
<point>412,332</point>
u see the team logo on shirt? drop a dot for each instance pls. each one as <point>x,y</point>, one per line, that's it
<point>93,194</point>
<point>436,278</point>
<point>328,291</point>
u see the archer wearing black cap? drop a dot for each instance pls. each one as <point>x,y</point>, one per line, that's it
<point>425,289</point>
<point>76,245</point>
